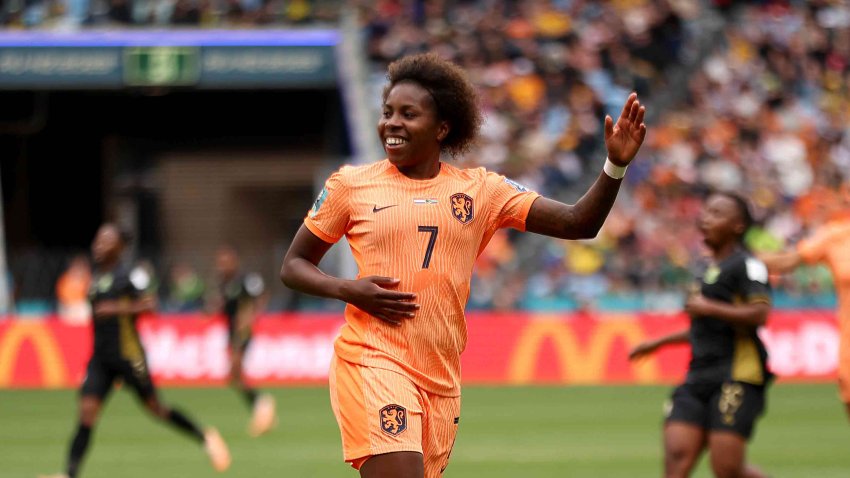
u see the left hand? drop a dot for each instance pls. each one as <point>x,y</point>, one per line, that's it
<point>624,138</point>
<point>698,305</point>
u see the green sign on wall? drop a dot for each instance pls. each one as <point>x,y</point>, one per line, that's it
<point>162,66</point>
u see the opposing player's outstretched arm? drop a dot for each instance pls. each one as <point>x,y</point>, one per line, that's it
<point>781,262</point>
<point>584,219</point>
<point>650,346</point>
<point>300,271</point>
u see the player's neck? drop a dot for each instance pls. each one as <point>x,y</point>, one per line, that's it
<point>725,250</point>
<point>106,266</point>
<point>421,171</point>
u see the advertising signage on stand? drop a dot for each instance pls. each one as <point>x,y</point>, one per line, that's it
<point>173,58</point>
<point>503,349</point>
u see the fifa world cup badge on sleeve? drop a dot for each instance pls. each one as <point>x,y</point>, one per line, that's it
<point>320,199</point>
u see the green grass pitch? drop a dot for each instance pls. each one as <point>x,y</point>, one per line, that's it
<point>504,432</point>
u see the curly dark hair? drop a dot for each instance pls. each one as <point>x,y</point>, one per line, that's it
<point>454,95</point>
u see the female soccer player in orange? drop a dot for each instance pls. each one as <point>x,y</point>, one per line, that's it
<point>415,225</point>
<point>828,244</point>
<point>724,392</point>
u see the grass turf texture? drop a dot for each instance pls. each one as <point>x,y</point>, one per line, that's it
<point>504,432</point>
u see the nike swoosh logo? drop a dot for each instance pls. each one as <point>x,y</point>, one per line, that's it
<point>375,208</point>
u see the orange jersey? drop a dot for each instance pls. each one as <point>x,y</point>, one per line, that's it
<point>831,245</point>
<point>427,233</point>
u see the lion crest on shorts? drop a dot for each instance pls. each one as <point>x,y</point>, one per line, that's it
<point>393,419</point>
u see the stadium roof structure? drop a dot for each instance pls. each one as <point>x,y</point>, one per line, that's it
<point>204,59</point>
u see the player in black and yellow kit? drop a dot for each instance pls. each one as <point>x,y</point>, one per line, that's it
<point>117,299</point>
<point>724,392</point>
<point>238,298</point>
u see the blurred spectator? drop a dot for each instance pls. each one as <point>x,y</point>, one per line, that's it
<point>210,13</point>
<point>72,291</point>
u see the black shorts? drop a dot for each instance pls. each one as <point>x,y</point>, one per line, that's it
<point>102,372</point>
<point>729,406</point>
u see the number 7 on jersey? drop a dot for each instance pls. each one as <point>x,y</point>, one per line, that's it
<point>431,242</point>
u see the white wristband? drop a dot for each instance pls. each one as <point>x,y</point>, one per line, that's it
<point>614,171</point>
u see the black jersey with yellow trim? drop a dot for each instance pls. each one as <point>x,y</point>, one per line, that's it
<point>721,350</point>
<point>240,294</point>
<point>115,336</point>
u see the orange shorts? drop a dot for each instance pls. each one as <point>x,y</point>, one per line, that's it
<point>380,411</point>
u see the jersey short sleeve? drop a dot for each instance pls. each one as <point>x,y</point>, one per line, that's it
<point>753,281</point>
<point>329,217</point>
<point>253,285</point>
<point>814,248</point>
<point>509,200</point>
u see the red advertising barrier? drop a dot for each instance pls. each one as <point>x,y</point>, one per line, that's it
<point>503,348</point>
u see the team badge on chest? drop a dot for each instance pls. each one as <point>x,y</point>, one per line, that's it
<point>462,207</point>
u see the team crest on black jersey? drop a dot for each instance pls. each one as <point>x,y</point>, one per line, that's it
<point>393,419</point>
<point>462,208</point>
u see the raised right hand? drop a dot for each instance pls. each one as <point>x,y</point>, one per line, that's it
<point>372,295</point>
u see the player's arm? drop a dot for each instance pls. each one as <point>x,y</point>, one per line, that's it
<point>651,346</point>
<point>754,314</point>
<point>751,285</point>
<point>584,219</point>
<point>139,305</point>
<point>781,262</point>
<point>300,271</point>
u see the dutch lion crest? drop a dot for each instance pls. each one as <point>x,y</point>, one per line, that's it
<point>393,419</point>
<point>462,207</point>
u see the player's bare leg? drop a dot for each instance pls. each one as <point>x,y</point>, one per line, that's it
<point>847,407</point>
<point>728,452</point>
<point>263,407</point>
<point>683,444</point>
<point>89,412</point>
<point>213,443</point>
<point>400,464</point>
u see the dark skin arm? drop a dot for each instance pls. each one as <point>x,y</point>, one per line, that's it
<point>745,314</point>
<point>373,294</point>
<point>651,346</point>
<point>584,219</point>
<point>111,307</point>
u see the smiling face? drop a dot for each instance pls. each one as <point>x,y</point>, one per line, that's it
<point>720,221</point>
<point>410,128</point>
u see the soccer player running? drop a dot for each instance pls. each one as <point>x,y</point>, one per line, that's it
<point>828,244</point>
<point>117,299</point>
<point>724,391</point>
<point>415,225</point>
<point>238,297</point>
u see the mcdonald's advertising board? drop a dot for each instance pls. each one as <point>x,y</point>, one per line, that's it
<point>503,349</point>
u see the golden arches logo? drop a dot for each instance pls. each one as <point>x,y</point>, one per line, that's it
<point>52,364</point>
<point>579,364</point>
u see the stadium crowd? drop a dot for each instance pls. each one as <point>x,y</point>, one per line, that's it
<point>764,110</point>
<point>73,14</point>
